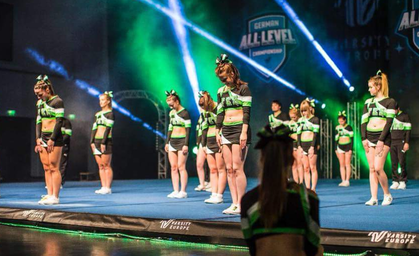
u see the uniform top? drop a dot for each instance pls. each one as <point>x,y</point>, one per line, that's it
<point>300,216</point>
<point>312,124</point>
<point>401,127</point>
<point>50,109</point>
<point>200,124</point>
<point>276,121</point>
<point>105,119</point>
<point>384,109</point>
<point>209,122</point>
<point>233,98</point>
<point>179,118</point>
<point>294,126</point>
<point>344,131</point>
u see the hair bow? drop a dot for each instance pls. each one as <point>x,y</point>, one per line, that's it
<point>311,102</point>
<point>170,93</point>
<point>342,113</point>
<point>44,79</point>
<point>379,72</point>
<point>266,135</point>
<point>109,93</point>
<point>201,94</point>
<point>223,59</point>
<point>292,106</point>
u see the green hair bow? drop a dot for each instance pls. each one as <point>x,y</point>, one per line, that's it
<point>109,93</point>
<point>266,135</point>
<point>311,102</point>
<point>379,72</point>
<point>170,93</point>
<point>342,113</point>
<point>292,106</point>
<point>44,79</point>
<point>201,94</point>
<point>223,59</point>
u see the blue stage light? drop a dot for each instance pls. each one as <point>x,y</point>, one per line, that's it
<point>58,68</point>
<point>293,16</point>
<point>174,16</point>
<point>182,38</point>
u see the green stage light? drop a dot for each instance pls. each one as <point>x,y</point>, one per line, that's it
<point>71,116</point>
<point>11,112</point>
<point>195,150</point>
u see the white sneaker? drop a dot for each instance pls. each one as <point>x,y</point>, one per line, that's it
<point>51,200</point>
<point>387,200</point>
<point>214,199</point>
<point>208,189</point>
<point>346,183</point>
<point>236,211</point>
<point>181,194</point>
<point>173,194</point>
<point>341,184</point>
<point>230,210</point>
<point>207,186</point>
<point>199,188</point>
<point>402,185</point>
<point>43,198</point>
<point>372,202</point>
<point>99,191</point>
<point>395,185</point>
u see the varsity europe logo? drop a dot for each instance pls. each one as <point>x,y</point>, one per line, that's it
<point>268,41</point>
<point>408,26</point>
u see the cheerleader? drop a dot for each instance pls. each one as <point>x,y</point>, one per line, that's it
<point>233,116</point>
<point>376,122</point>
<point>308,142</point>
<point>344,139</point>
<point>177,144</point>
<point>101,142</point>
<point>297,166</point>
<point>49,139</point>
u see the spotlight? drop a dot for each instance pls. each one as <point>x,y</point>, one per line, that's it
<point>351,89</point>
<point>323,105</point>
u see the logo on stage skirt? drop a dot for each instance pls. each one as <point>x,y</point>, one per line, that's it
<point>268,41</point>
<point>408,26</point>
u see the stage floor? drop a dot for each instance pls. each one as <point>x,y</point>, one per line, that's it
<point>141,208</point>
<point>340,207</point>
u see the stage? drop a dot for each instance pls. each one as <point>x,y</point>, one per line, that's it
<point>140,207</point>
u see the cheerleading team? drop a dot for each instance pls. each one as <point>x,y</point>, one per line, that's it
<point>177,144</point>
<point>49,138</point>
<point>234,101</point>
<point>101,142</point>
<point>218,175</point>
<point>378,114</point>
<point>344,139</point>
<point>308,142</point>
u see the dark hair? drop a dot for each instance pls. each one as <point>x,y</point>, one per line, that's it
<point>230,68</point>
<point>209,103</point>
<point>276,161</point>
<point>174,97</point>
<point>44,83</point>
<point>277,102</point>
<point>343,117</point>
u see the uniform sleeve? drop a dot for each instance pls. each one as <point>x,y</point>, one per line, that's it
<point>220,112</point>
<point>351,135</point>
<point>316,130</point>
<point>246,227</point>
<point>187,119</point>
<point>38,129</point>
<point>169,129</point>
<point>408,128</point>
<point>299,133</point>
<point>364,121</point>
<point>67,130</point>
<point>313,244</point>
<point>110,119</point>
<point>58,107</point>
<point>390,114</point>
<point>205,128</point>
<point>246,98</point>
<point>337,134</point>
<point>94,130</point>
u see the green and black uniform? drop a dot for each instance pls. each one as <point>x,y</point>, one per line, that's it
<point>199,129</point>
<point>67,132</point>
<point>311,125</point>
<point>384,109</point>
<point>53,108</point>
<point>344,131</point>
<point>238,99</point>
<point>179,118</point>
<point>400,134</point>
<point>276,121</point>
<point>105,119</point>
<point>300,217</point>
<point>209,139</point>
<point>294,131</point>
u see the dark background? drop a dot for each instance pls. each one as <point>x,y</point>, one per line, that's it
<point>85,37</point>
